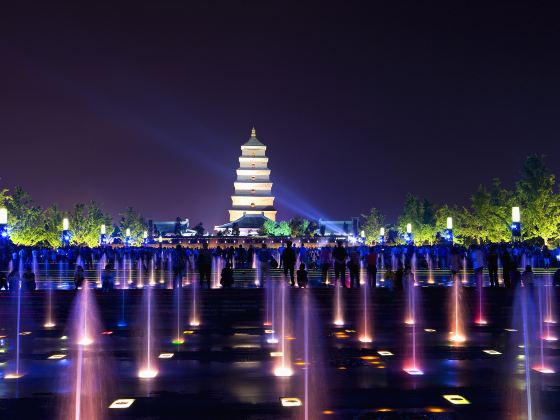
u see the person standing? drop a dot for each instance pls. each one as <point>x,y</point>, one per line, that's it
<point>340,255</point>
<point>288,261</point>
<point>477,258</point>
<point>371,261</point>
<point>354,267</point>
<point>204,263</point>
<point>492,261</point>
<point>179,265</point>
<point>264,256</point>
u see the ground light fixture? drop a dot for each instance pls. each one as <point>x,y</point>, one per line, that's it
<point>456,399</point>
<point>492,352</point>
<point>290,402</point>
<point>165,356</point>
<point>56,357</point>
<point>122,403</point>
<point>385,353</point>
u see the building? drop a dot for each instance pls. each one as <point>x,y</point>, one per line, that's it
<point>170,229</point>
<point>252,202</point>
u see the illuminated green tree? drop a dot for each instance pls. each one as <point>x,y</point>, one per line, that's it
<point>51,233</point>
<point>371,224</point>
<point>132,220</point>
<point>271,228</point>
<point>422,215</point>
<point>540,206</point>
<point>298,226</point>
<point>461,223</point>
<point>85,224</point>
<point>24,218</point>
<point>490,214</point>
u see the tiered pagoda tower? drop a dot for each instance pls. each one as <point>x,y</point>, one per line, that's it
<point>253,189</point>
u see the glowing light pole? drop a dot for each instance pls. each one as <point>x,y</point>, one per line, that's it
<point>4,224</point>
<point>449,230</point>
<point>408,235</point>
<point>145,237</point>
<point>515,224</point>
<point>127,239</point>
<point>103,237</point>
<point>382,236</point>
<point>65,232</point>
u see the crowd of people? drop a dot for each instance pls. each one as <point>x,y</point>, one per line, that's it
<point>342,262</point>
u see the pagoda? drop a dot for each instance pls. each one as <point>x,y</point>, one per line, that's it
<point>252,202</point>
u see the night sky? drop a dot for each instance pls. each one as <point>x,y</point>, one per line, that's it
<point>358,102</point>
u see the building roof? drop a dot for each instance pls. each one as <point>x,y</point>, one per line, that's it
<point>249,221</point>
<point>253,140</point>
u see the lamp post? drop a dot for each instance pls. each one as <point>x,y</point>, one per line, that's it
<point>65,239</point>
<point>4,224</point>
<point>408,235</point>
<point>382,236</point>
<point>449,231</point>
<point>515,224</point>
<point>127,238</point>
<point>103,237</point>
<point>145,237</point>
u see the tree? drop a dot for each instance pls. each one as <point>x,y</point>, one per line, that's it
<point>51,233</point>
<point>298,226</point>
<point>421,214</point>
<point>371,224</point>
<point>490,214</point>
<point>24,218</point>
<point>132,220</point>
<point>461,223</point>
<point>269,228</point>
<point>311,228</point>
<point>540,206</point>
<point>85,224</point>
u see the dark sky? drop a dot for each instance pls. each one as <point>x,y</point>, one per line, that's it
<point>358,102</point>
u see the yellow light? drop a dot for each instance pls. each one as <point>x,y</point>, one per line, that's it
<point>165,356</point>
<point>25,333</point>
<point>188,332</point>
<point>429,330</point>
<point>269,331</point>
<point>435,410</point>
<point>365,339</point>
<point>56,356</point>
<point>64,337</point>
<point>122,403</point>
<point>384,353</point>
<point>276,354</point>
<point>492,352</point>
<point>456,399</point>
<point>49,324</point>
<point>290,402</point>
<point>327,412</point>
<point>384,410</point>
<point>369,357</point>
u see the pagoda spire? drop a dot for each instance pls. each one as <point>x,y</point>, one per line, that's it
<point>253,132</point>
